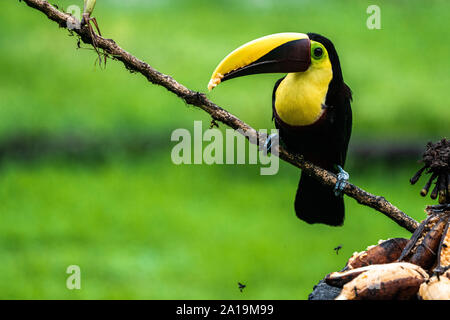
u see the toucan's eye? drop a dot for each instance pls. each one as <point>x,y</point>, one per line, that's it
<point>318,52</point>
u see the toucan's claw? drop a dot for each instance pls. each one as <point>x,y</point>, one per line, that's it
<point>342,179</point>
<point>272,141</point>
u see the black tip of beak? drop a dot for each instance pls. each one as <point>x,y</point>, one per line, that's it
<point>293,56</point>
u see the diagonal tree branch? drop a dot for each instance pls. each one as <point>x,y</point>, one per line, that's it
<point>199,100</point>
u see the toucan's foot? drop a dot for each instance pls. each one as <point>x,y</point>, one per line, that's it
<point>272,141</point>
<point>342,179</point>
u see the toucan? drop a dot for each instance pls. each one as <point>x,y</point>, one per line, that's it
<point>311,110</point>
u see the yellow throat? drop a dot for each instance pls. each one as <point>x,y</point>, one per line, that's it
<point>300,96</point>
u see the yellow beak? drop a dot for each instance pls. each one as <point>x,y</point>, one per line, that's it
<point>280,52</point>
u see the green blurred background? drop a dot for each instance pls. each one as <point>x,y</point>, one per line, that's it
<point>86,176</point>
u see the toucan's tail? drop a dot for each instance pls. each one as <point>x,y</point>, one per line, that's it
<point>317,203</point>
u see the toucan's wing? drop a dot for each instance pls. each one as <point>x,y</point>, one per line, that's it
<point>345,126</point>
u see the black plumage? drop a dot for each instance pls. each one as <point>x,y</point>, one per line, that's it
<point>324,143</point>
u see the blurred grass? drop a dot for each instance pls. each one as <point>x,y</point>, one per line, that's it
<point>398,74</point>
<point>144,228</point>
<point>148,230</point>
